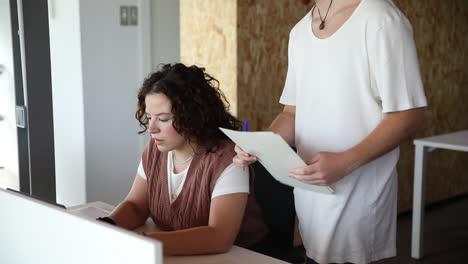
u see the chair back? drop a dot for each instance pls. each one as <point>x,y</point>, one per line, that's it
<point>277,203</point>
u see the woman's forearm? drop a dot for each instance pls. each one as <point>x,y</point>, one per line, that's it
<point>128,215</point>
<point>193,241</point>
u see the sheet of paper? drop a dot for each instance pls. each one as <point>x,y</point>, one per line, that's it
<point>91,212</point>
<point>274,154</point>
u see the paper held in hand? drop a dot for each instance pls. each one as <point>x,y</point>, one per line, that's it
<point>275,155</point>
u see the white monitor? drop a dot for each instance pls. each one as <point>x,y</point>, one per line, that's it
<point>32,231</point>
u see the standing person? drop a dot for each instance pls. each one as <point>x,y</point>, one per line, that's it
<point>186,181</point>
<point>353,93</point>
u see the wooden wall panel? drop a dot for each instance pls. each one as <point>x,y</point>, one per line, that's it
<point>263,31</point>
<point>208,36</point>
<point>440,30</point>
<point>247,51</point>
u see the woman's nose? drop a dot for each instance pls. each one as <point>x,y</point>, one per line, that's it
<point>152,126</point>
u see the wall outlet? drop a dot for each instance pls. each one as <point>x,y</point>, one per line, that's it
<point>123,15</point>
<point>133,15</point>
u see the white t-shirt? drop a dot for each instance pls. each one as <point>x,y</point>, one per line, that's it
<point>234,179</point>
<point>342,86</point>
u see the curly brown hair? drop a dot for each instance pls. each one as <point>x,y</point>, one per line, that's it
<point>198,105</point>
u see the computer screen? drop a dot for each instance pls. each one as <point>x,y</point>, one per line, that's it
<point>32,231</point>
<point>37,198</point>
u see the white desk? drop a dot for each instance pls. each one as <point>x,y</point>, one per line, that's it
<point>453,141</point>
<point>236,255</point>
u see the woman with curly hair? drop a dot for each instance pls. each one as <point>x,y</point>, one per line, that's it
<point>186,181</point>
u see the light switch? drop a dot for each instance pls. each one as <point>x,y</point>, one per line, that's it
<point>20,116</point>
<point>133,16</point>
<point>123,15</point>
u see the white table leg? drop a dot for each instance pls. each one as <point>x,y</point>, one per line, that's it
<point>418,201</point>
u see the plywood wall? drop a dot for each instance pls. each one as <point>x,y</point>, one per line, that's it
<point>252,64</point>
<point>441,36</point>
<point>208,36</point>
<point>263,31</point>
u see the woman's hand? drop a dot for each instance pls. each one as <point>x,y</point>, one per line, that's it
<point>243,158</point>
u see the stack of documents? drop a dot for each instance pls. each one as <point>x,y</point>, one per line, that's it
<point>275,155</point>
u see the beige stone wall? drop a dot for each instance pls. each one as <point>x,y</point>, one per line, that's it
<point>208,37</point>
<point>250,59</point>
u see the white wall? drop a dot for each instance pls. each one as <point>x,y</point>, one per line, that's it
<point>110,82</point>
<point>165,24</point>
<point>67,96</point>
<point>8,136</point>
<point>97,67</point>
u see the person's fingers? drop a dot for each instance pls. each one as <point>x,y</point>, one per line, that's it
<point>250,159</point>
<point>303,177</point>
<point>319,183</point>
<point>309,179</point>
<point>241,152</point>
<point>238,149</point>
<point>302,171</point>
<point>244,155</point>
<point>314,158</point>
<point>243,161</point>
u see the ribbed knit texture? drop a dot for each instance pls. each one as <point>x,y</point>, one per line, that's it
<point>192,206</point>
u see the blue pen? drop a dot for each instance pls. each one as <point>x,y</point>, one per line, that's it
<point>246,125</point>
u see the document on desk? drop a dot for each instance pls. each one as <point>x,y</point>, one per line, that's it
<point>275,155</point>
<point>90,211</point>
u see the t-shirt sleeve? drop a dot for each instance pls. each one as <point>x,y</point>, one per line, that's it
<point>234,179</point>
<point>288,97</point>
<point>141,170</point>
<point>395,67</point>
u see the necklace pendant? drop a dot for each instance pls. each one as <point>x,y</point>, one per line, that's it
<point>322,25</point>
<point>173,196</point>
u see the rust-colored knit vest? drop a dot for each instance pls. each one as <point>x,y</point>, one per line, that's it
<point>192,206</point>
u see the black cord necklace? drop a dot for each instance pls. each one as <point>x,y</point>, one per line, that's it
<point>322,24</point>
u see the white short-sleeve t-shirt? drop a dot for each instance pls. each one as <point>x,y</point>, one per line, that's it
<point>234,179</point>
<point>342,87</point>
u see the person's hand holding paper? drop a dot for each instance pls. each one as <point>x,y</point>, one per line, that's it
<point>243,158</point>
<point>273,153</point>
<point>324,168</point>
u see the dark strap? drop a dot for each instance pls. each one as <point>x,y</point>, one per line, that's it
<point>106,219</point>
